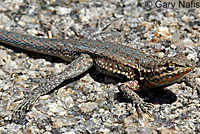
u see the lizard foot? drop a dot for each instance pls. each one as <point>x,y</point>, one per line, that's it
<point>23,107</point>
<point>127,89</point>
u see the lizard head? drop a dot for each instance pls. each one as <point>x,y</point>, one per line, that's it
<point>168,71</point>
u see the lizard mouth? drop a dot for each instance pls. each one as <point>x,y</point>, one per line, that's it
<point>171,77</point>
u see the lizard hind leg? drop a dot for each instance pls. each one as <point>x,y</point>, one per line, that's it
<point>128,90</point>
<point>74,69</point>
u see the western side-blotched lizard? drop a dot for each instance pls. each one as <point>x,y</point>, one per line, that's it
<point>142,70</point>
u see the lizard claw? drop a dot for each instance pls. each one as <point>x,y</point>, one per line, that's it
<point>143,107</point>
<point>23,107</point>
<point>128,92</point>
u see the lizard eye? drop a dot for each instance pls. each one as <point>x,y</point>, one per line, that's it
<point>171,66</point>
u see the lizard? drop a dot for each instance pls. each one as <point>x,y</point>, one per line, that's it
<point>143,71</point>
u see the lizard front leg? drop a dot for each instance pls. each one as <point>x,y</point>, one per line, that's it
<point>74,69</point>
<point>128,90</point>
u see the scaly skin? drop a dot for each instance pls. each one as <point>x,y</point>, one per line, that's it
<point>143,71</point>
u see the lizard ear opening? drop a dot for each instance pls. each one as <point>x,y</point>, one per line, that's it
<point>156,79</point>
